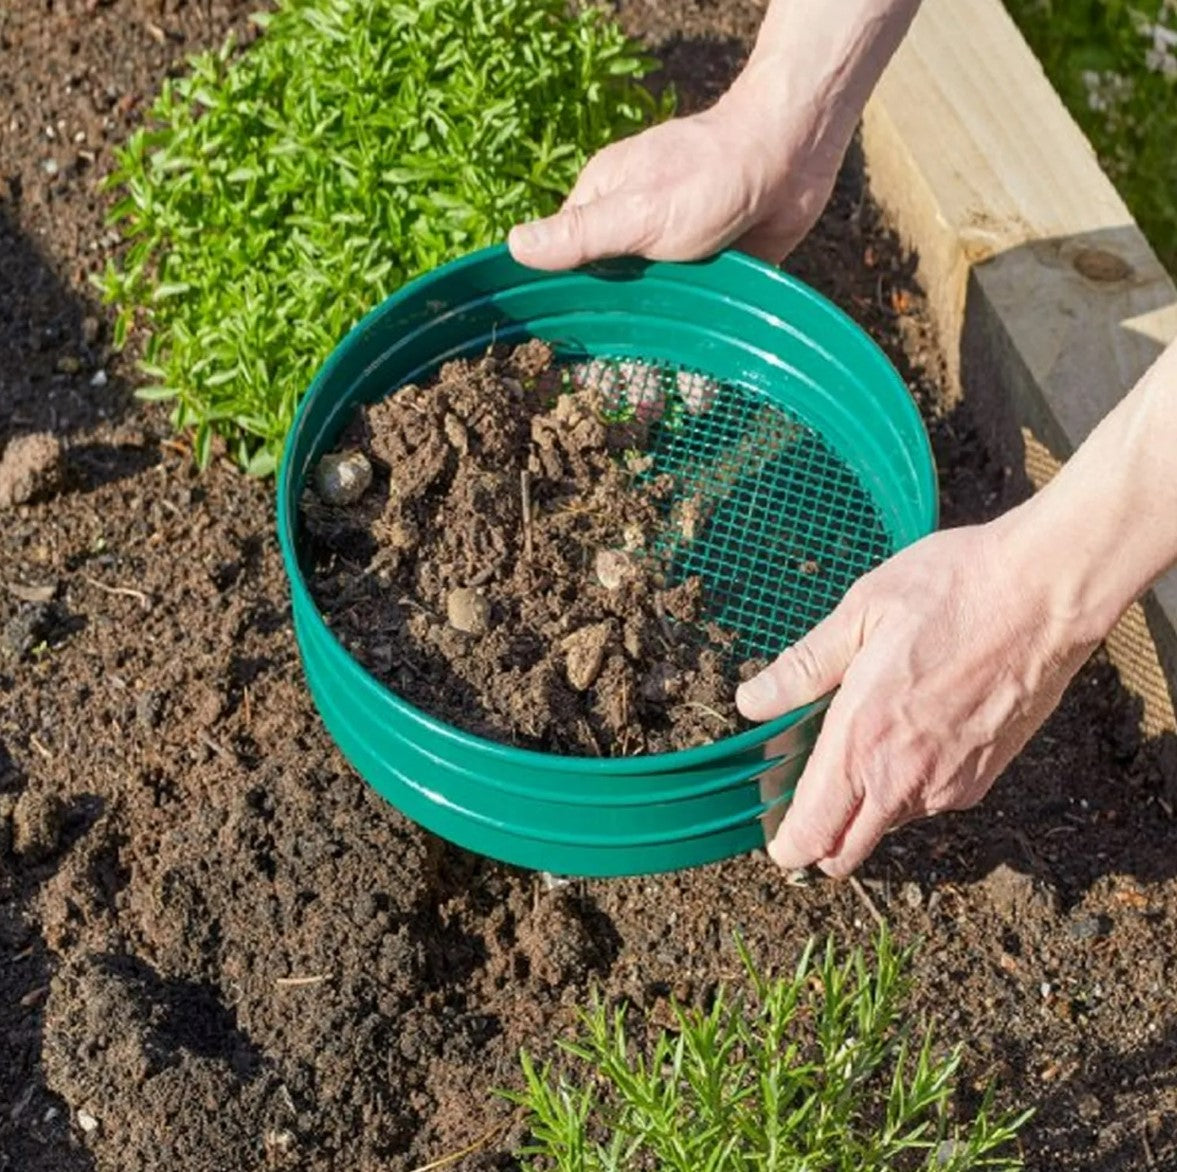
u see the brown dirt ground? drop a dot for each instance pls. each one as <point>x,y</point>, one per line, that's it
<point>178,835</point>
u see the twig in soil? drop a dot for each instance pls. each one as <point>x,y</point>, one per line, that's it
<point>592,736</point>
<point>209,743</point>
<point>1149,1158</point>
<point>40,747</point>
<point>247,711</point>
<point>705,708</point>
<point>525,490</point>
<point>868,903</point>
<point>124,591</point>
<point>477,1145</point>
<point>301,982</point>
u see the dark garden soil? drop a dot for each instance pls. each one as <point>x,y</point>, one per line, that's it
<point>220,951</point>
<point>494,545</point>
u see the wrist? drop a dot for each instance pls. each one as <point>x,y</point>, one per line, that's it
<point>1105,528</point>
<point>818,62</point>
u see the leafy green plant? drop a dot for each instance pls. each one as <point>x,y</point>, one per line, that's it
<point>278,193</point>
<point>1114,64</point>
<point>817,1071</point>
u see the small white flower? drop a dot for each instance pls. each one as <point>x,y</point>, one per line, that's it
<point>1160,61</point>
<point>1164,38</point>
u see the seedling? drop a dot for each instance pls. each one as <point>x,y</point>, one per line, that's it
<point>817,1070</point>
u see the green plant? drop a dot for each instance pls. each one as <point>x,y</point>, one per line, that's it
<point>1114,63</point>
<point>278,193</point>
<point>815,1071</point>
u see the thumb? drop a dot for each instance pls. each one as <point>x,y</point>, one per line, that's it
<point>813,666</point>
<point>579,233</point>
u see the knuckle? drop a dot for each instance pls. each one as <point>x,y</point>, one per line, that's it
<point>876,773</point>
<point>804,661</point>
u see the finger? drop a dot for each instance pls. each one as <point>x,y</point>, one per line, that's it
<point>615,225</point>
<point>824,804</point>
<point>813,666</point>
<point>862,835</point>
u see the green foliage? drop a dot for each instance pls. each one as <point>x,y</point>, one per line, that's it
<point>817,1071</point>
<point>1114,63</point>
<point>278,194</point>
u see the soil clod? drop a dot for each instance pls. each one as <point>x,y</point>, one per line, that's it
<point>30,469</point>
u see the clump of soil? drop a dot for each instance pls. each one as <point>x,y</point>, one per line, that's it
<point>29,469</point>
<point>500,572</point>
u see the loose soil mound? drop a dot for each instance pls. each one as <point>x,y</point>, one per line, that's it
<point>511,586</point>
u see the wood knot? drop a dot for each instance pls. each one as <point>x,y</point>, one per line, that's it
<point>1097,264</point>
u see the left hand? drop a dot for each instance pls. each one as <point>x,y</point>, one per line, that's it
<point>737,174</point>
<point>949,656</point>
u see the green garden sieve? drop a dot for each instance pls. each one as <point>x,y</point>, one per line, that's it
<point>794,428</point>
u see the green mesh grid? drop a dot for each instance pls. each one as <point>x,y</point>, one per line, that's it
<point>775,523</point>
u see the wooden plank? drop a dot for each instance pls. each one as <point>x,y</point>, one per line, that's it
<point>1049,301</point>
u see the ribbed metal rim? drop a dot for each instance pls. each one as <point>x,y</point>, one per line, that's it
<point>305,610</point>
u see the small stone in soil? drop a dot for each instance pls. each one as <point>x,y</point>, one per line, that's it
<point>30,468</point>
<point>341,478</point>
<point>613,567</point>
<point>468,611</point>
<point>1087,928</point>
<point>585,654</point>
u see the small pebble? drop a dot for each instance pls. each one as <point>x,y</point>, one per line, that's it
<point>613,567</point>
<point>343,477</point>
<point>91,328</point>
<point>87,1122</point>
<point>1086,928</point>
<point>468,610</point>
<point>50,167</point>
<point>68,364</point>
<point>455,431</point>
<point>584,652</point>
<point>99,379</point>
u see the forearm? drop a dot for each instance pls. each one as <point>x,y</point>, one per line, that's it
<point>1106,527</point>
<point>822,57</point>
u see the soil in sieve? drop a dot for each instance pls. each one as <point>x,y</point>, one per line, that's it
<point>503,567</point>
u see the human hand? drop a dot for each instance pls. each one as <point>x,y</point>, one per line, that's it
<point>949,656</point>
<point>754,171</point>
<point>690,187</point>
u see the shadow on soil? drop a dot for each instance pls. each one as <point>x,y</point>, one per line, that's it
<point>51,352</point>
<point>54,358</point>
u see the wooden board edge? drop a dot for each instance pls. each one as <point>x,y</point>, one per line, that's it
<point>1007,311</point>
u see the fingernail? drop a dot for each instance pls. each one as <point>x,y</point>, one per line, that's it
<point>756,692</point>
<point>781,851</point>
<point>527,236</point>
